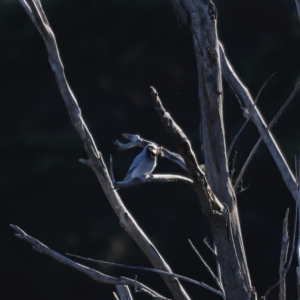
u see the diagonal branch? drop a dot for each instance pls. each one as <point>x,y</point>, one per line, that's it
<point>94,274</point>
<point>123,292</point>
<point>242,93</point>
<point>283,257</point>
<point>298,206</point>
<point>269,127</point>
<point>206,266</point>
<point>96,162</point>
<point>186,151</point>
<point>181,140</point>
<point>248,115</point>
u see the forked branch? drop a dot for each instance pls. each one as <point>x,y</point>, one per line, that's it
<point>269,127</point>
<point>243,94</point>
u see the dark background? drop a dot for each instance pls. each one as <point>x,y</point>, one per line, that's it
<point>112,52</point>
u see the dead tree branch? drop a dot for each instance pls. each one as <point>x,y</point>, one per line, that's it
<point>215,278</point>
<point>269,127</point>
<point>124,292</point>
<point>243,94</point>
<point>94,274</point>
<point>247,116</point>
<point>283,257</point>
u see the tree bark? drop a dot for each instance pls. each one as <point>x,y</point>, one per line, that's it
<point>201,16</point>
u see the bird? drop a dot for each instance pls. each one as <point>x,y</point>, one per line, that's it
<point>144,163</point>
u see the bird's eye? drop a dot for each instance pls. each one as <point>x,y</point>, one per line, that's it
<point>152,152</point>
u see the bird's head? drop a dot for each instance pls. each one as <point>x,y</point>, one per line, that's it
<point>154,151</point>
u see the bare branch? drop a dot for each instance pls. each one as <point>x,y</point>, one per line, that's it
<point>94,274</point>
<point>96,162</point>
<point>111,170</point>
<point>233,167</point>
<point>124,292</point>
<point>185,149</point>
<point>284,262</point>
<point>162,178</point>
<point>206,242</point>
<point>220,293</point>
<point>298,206</point>
<point>182,142</point>
<point>242,93</point>
<point>248,115</point>
<point>272,123</point>
<point>116,296</point>
<point>206,266</point>
<point>289,262</point>
<point>218,267</point>
<point>283,257</point>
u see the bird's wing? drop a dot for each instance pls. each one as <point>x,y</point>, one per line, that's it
<point>136,162</point>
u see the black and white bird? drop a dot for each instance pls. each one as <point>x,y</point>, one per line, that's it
<point>144,163</point>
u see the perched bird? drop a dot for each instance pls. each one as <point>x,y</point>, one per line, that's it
<point>144,163</point>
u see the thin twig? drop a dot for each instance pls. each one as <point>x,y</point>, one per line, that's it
<point>298,205</point>
<point>204,285</point>
<point>233,166</point>
<point>206,242</point>
<point>206,266</point>
<point>286,265</point>
<point>283,257</point>
<point>116,296</point>
<point>218,267</point>
<point>248,117</point>
<point>269,127</point>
